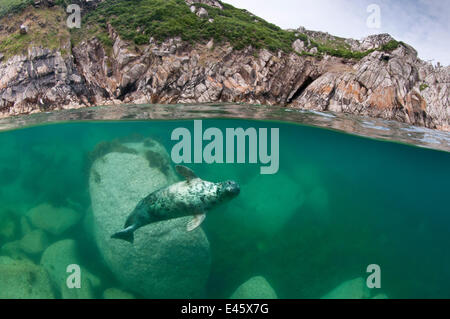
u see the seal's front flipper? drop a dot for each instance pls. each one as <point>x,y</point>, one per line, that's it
<point>126,234</point>
<point>196,222</point>
<point>187,173</point>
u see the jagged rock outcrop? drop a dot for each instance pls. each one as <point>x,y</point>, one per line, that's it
<point>40,81</point>
<point>391,85</point>
<point>371,42</point>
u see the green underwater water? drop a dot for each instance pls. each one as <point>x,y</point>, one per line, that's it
<point>338,204</point>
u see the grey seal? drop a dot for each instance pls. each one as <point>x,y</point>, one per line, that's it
<point>192,197</point>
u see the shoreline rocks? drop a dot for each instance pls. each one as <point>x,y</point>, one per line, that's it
<point>394,85</point>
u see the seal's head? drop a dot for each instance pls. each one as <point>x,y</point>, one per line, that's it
<point>228,190</point>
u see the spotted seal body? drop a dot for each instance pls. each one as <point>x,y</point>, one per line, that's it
<point>192,197</point>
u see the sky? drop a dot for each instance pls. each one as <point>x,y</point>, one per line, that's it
<point>424,24</point>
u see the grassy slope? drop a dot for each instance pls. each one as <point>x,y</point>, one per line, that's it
<point>138,20</point>
<point>12,6</point>
<point>44,30</point>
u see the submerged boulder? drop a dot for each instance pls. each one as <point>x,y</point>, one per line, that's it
<point>165,260</point>
<point>114,293</point>
<point>13,249</point>
<point>8,227</point>
<point>255,288</point>
<point>25,226</point>
<point>23,280</point>
<point>52,219</point>
<point>34,242</point>
<point>352,289</point>
<point>55,260</point>
<point>84,292</point>
<point>380,296</point>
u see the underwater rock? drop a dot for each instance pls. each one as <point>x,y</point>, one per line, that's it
<point>255,288</point>
<point>165,260</point>
<point>53,220</point>
<point>85,292</point>
<point>352,289</point>
<point>114,293</point>
<point>381,296</point>
<point>23,280</point>
<point>25,226</point>
<point>55,260</point>
<point>34,242</point>
<point>13,249</point>
<point>260,200</point>
<point>5,260</point>
<point>8,228</point>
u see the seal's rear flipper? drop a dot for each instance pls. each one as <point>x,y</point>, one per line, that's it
<point>126,234</point>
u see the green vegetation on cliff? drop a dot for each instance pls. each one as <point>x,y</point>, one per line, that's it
<point>13,6</point>
<point>339,50</point>
<point>137,21</point>
<point>46,28</point>
<point>390,46</point>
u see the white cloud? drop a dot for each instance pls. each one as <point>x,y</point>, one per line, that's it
<point>425,24</point>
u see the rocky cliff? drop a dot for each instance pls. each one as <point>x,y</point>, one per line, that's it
<point>378,76</point>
